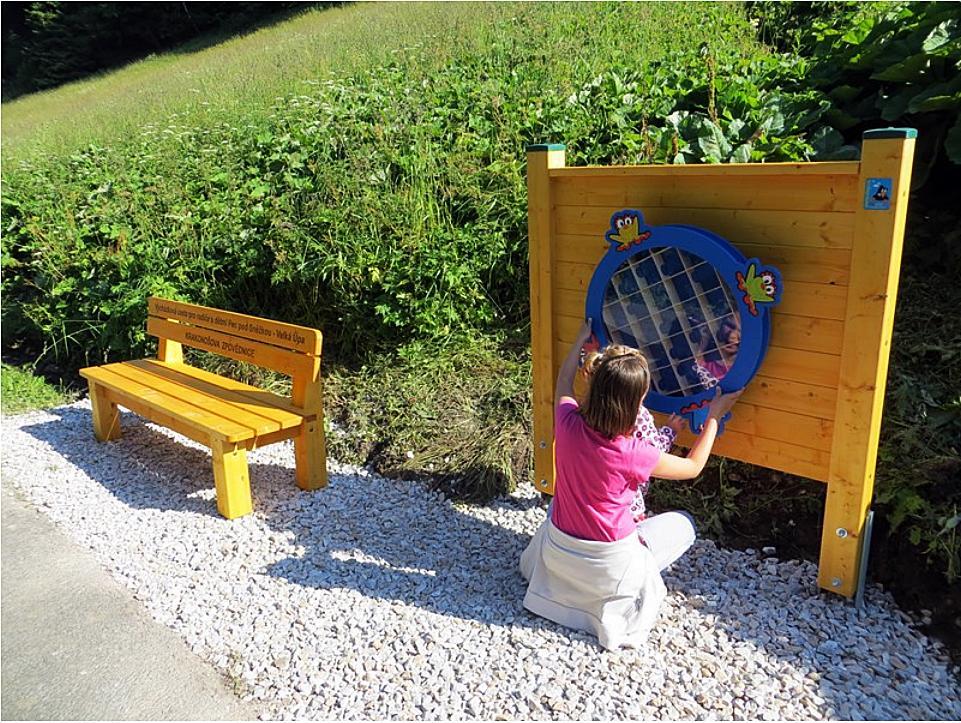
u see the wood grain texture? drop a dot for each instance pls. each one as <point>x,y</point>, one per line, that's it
<point>801,192</point>
<point>869,320</point>
<point>267,331</point>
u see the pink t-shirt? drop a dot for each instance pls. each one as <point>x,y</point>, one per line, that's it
<point>596,477</point>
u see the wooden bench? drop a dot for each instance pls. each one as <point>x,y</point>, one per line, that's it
<point>228,416</point>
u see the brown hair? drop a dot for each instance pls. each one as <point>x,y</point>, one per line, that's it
<point>619,380</point>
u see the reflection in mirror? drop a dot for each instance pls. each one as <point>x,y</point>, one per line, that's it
<point>675,308</point>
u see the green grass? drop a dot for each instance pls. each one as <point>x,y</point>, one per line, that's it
<point>22,391</point>
<point>234,79</point>
<point>239,79</point>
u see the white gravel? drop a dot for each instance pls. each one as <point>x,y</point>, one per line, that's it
<point>375,598</point>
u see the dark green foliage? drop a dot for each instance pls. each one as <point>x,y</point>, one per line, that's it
<point>880,64</point>
<point>382,207</point>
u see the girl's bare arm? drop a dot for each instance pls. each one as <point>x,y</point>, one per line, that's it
<point>670,466</point>
<point>565,376</point>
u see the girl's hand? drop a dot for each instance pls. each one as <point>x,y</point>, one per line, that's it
<point>722,404</point>
<point>584,334</point>
<point>676,423</point>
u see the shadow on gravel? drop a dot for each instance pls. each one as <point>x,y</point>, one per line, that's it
<point>391,540</point>
<point>400,543</point>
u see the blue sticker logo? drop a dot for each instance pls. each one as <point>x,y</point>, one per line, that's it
<point>877,194</point>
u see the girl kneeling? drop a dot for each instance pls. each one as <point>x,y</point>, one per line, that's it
<point>589,565</point>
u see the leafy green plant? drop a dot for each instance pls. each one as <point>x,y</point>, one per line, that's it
<point>881,64</point>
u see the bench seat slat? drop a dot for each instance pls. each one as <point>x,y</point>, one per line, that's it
<point>214,402</point>
<point>243,396</point>
<point>195,414</point>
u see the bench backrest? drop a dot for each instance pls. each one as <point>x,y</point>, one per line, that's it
<point>286,348</point>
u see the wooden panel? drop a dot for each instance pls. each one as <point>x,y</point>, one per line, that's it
<point>780,455</point>
<point>737,170</point>
<point>818,301</point>
<point>264,355</point>
<point>818,266</point>
<point>186,413</point>
<point>864,363</point>
<point>795,193</point>
<point>287,336</point>
<point>776,424</point>
<point>799,332</point>
<point>810,229</point>
<point>801,366</point>
<point>788,332</point>
<point>575,277</point>
<point>260,407</point>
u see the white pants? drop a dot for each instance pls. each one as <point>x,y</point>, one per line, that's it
<point>667,536</point>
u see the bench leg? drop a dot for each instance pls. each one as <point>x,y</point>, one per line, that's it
<point>106,416</point>
<point>310,454</point>
<point>231,479</point>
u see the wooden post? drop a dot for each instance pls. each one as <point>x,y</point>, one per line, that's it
<point>106,416</point>
<point>170,351</point>
<point>310,447</point>
<point>540,159</point>
<point>231,479</point>
<point>886,159</point>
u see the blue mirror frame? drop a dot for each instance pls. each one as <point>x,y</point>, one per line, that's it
<point>756,289</point>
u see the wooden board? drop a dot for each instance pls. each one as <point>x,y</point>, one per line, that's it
<point>194,414</point>
<point>803,192</point>
<point>868,327</point>
<point>263,355</point>
<point>277,333</point>
<point>796,263</point>
<point>731,170</point>
<point>818,301</point>
<point>809,229</point>
<point>237,398</point>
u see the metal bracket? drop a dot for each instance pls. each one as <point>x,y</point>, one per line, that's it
<point>865,554</point>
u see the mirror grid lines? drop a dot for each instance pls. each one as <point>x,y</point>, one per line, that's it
<point>673,306</point>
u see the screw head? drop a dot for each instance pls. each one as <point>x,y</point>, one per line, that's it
<point>543,444</point>
<point>836,582</point>
<point>543,483</point>
<point>842,533</point>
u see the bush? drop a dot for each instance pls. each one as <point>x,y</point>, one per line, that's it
<point>382,207</point>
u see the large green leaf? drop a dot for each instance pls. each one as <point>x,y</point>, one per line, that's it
<point>941,96</point>
<point>742,154</point>
<point>845,93</point>
<point>894,106</point>
<point>942,35</point>
<point>910,69</point>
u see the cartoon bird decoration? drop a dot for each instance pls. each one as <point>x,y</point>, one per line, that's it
<point>626,230</point>
<point>759,287</point>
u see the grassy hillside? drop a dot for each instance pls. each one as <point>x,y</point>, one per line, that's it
<point>239,79</point>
